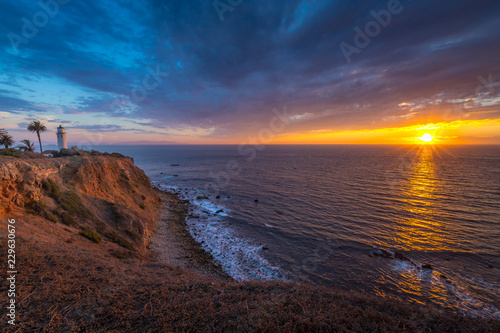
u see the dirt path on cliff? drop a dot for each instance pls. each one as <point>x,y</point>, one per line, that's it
<point>172,243</point>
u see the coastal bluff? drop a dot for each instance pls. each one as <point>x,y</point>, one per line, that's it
<point>106,198</point>
<point>86,262</point>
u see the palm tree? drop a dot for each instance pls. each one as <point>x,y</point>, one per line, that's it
<point>7,140</point>
<point>27,145</point>
<point>3,133</point>
<point>37,126</point>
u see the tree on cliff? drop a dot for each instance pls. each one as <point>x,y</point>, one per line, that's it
<point>6,139</point>
<point>37,126</point>
<point>27,145</point>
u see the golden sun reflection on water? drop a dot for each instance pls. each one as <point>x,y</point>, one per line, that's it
<point>420,226</point>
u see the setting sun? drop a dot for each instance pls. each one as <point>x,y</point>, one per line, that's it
<point>426,137</point>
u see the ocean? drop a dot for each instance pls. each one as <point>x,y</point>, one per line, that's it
<point>374,219</point>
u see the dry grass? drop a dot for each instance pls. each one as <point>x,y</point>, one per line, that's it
<point>63,291</point>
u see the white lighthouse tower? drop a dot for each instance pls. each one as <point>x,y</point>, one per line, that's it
<point>61,138</point>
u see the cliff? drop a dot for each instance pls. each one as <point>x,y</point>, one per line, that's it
<point>104,198</point>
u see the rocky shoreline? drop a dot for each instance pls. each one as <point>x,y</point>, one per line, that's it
<point>175,246</point>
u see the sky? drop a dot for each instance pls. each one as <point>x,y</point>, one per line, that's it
<point>241,71</point>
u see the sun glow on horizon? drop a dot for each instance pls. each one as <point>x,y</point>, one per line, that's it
<point>432,133</point>
<point>427,138</point>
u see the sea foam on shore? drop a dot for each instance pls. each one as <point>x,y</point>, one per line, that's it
<point>239,257</point>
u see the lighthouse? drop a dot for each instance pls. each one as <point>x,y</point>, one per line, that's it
<point>61,138</point>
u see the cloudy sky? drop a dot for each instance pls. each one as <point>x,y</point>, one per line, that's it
<point>208,71</point>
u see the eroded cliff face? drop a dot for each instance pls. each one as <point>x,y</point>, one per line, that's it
<point>102,195</point>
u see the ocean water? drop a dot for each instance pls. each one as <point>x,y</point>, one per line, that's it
<point>337,215</point>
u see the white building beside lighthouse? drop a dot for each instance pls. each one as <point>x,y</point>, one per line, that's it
<point>61,138</point>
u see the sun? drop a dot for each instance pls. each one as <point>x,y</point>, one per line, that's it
<point>426,138</point>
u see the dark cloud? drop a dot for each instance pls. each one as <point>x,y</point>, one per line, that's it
<point>102,128</point>
<point>106,128</point>
<point>230,75</point>
<point>59,121</point>
<point>17,105</point>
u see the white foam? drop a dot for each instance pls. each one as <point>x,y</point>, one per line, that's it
<point>209,208</point>
<point>464,301</point>
<point>239,257</point>
<point>470,305</point>
<point>165,187</point>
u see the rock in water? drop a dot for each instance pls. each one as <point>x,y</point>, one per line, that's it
<point>383,253</point>
<point>427,266</point>
<point>400,256</point>
<point>386,254</point>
